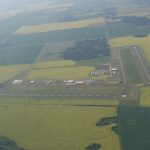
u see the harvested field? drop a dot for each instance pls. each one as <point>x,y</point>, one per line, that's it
<point>58,26</point>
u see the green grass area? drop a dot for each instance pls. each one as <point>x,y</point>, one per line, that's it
<point>94,62</point>
<point>19,54</point>
<point>134,125</point>
<point>58,102</point>
<point>145,96</point>
<point>39,125</point>
<point>62,73</point>
<point>130,67</point>
<point>54,64</point>
<point>8,72</point>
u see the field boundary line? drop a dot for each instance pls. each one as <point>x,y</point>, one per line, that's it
<point>24,74</point>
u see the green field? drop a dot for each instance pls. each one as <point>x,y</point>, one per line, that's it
<point>54,64</point>
<point>130,67</point>
<point>8,72</point>
<point>145,97</point>
<point>120,29</point>
<point>58,36</point>
<point>19,54</point>
<point>37,125</point>
<point>94,62</point>
<point>134,123</point>
<point>61,73</point>
<point>54,51</point>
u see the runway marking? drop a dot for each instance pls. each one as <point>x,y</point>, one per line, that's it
<point>61,95</point>
<point>124,77</point>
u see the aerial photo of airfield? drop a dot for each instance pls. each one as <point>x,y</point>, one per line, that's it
<point>75,75</point>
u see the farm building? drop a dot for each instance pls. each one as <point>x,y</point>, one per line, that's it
<point>95,73</point>
<point>114,71</point>
<point>105,69</point>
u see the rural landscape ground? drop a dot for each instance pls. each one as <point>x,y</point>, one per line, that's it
<point>75,75</point>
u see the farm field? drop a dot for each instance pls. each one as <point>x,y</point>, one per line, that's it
<point>61,73</point>
<point>134,123</point>
<point>59,26</point>
<point>54,51</point>
<point>59,36</point>
<point>145,97</point>
<point>118,29</point>
<point>88,15</point>
<point>54,64</point>
<point>50,99</point>
<point>31,9</point>
<point>8,72</point>
<point>19,54</point>
<point>93,62</point>
<point>122,29</point>
<point>37,126</point>
<point>133,11</point>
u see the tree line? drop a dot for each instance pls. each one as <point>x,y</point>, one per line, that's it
<point>87,49</point>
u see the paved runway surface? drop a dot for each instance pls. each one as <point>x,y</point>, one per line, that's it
<point>62,95</point>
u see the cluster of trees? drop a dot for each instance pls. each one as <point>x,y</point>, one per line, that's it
<point>7,144</point>
<point>141,35</point>
<point>87,49</point>
<point>93,146</point>
<point>136,20</point>
<point>107,121</point>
